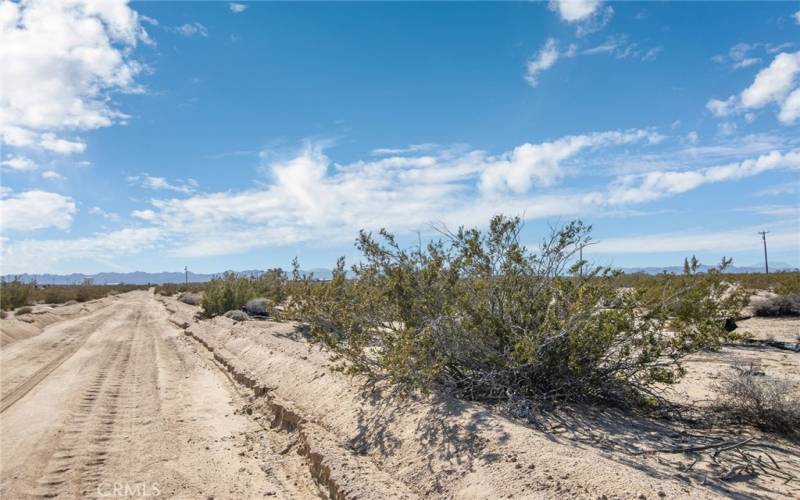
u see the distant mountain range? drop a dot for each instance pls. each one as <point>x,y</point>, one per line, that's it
<point>143,278</point>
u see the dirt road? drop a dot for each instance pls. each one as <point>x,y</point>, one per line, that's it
<point>118,403</point>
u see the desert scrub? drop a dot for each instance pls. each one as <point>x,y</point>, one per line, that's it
<point>15,294</point>
<point>480,315</point>
<point>237,315</point>
<point>780,305</point>
<point>191,298</point>
<point>259,307</point>
<point>749,396</point>
<point>233,292</point>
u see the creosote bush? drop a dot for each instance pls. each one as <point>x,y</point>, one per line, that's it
<point>780,305</point>
<point>232,292</point>
<point>749,396</point>
<point>481,315</point>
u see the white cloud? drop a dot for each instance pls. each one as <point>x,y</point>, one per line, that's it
<point>44,255</point>
<point>61,146</point>
<point>161,183</point>
<point>61,61</point>
<point>192,29</point>
<point>783,236</point>
<point>545,59</point>
<point>52,175</point>
<point>658,184</point>
<point>102,213</point>
<point>541,164</point>
<point>36,209</point>
<point>237,8</point>
<point>772,85</point>
<point>573,11</point>
<point>19,164</point>
<point>797,17</point>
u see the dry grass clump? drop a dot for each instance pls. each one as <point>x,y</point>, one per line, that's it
<point>237,315</point>
<point>780,305</point>
<point>748,395</point>
<point>191,298</point>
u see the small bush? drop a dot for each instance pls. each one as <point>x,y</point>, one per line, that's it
<point>781,305</point>
<point>259,307</point>
<point>191,298</point>
<point>15,294</point>
<point>23,310</point>
<point>769,404</point>
<point>237,315</point>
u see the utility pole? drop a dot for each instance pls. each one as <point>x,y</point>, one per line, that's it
<point>764,238</point>
<point>186,273</point>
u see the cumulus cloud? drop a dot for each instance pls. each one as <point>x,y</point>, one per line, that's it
<point>541,164</point>
<point>36,209</point>
<point>161,183</point>
<point>545,59</point>
<point>61,62</point>
<point>237,8</point>
<point>797,17</point>
<point>573,11</point>
<point>775,84</point>
<point>18,164</point>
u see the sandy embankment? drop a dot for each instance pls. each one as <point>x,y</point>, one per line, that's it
<point>364,444</point>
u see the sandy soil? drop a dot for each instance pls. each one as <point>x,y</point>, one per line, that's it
<point>118,403</point>
<point>138,392</point>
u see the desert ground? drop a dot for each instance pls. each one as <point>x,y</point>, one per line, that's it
<point>132,395</point>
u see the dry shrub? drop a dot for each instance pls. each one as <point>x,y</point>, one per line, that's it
<point>780,305</point>
<point>237,315</point>
<point>23,310</point>
<point>191,298</point>
<point>746,394</point>
<point>259,307</point>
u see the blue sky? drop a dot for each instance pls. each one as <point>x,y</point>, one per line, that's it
<point>149,136</point>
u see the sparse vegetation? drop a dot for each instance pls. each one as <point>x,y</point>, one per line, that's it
<point>233,292</point>
<point>748,395</point>
<point>191,298</point>
<point>237,315</point>
<point>481,315</point>
<point>780,305</point>
<point>15,294</point>
<point>259,307</point>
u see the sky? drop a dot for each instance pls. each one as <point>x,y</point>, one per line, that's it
<point>156,135</point>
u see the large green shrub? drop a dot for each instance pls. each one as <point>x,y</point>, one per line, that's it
<point>492,320</point>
